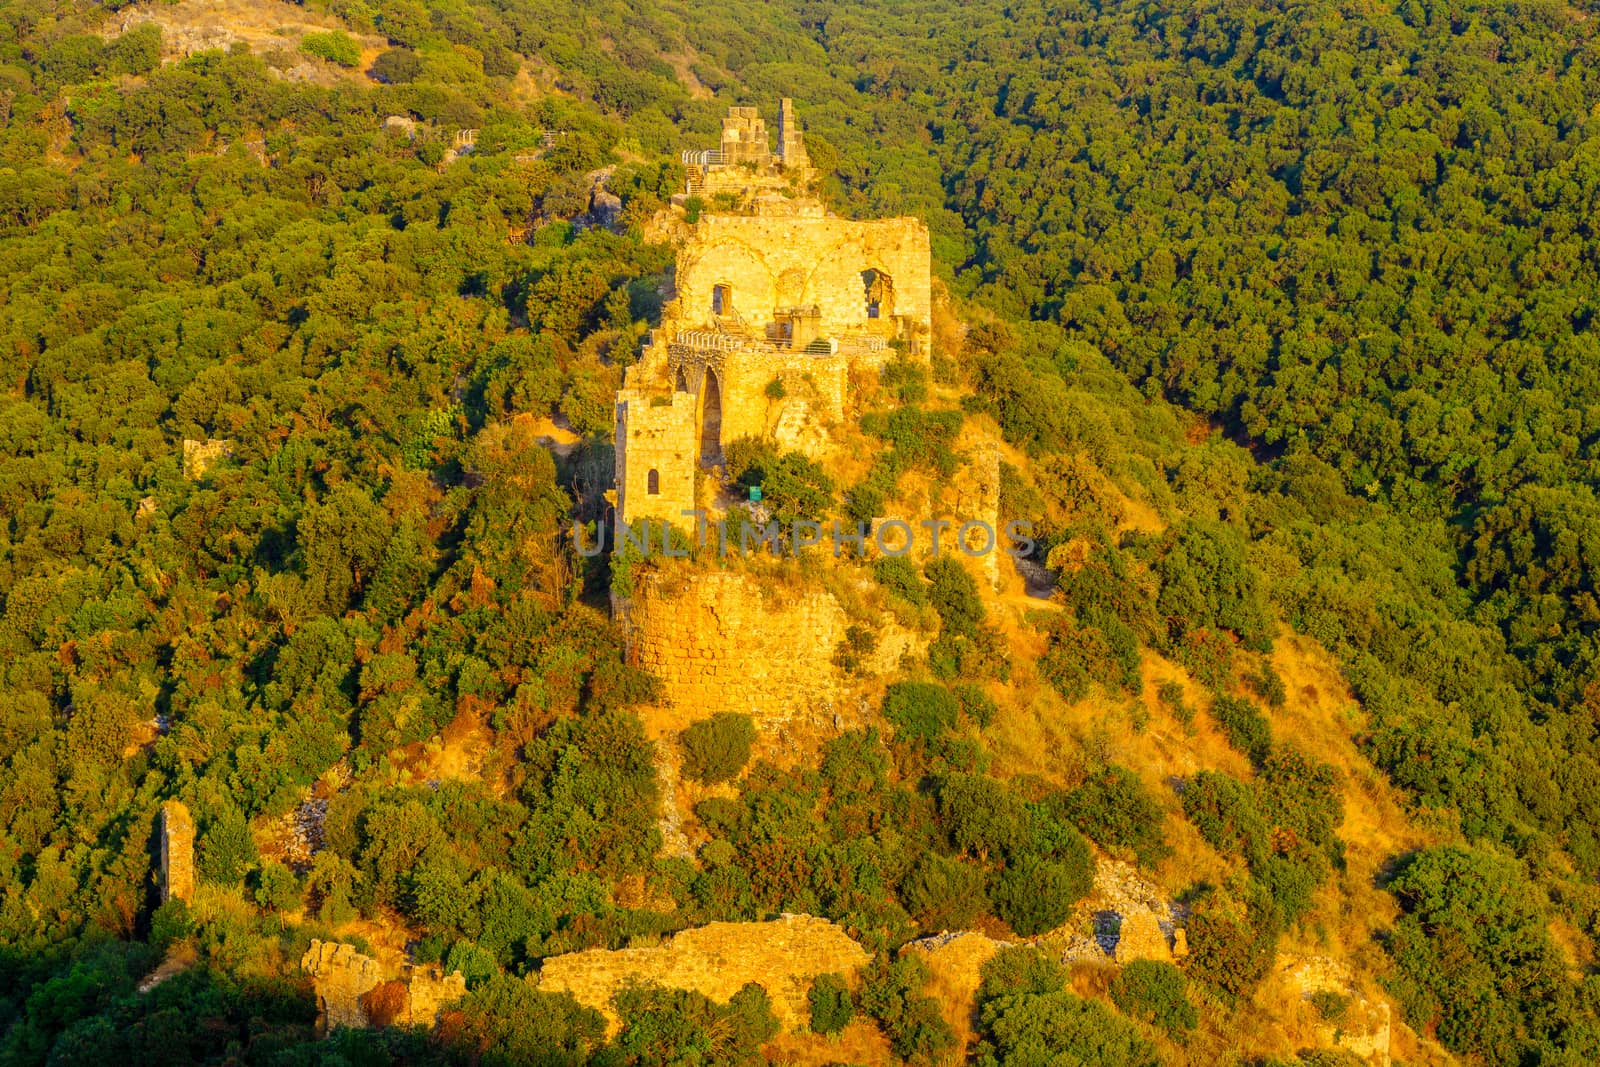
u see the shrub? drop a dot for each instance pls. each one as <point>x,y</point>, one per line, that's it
<point>227,851</point>
<point>899,576</point>
<point>1035,895</point>
<point>1473,955</point>
<point>1225,812</point>
<point>954,596</point>
<point>908,380</point>
<point>943,893</point>
<point>397,66</point>
<point>775,389</point>
<point>1302,794</point>
<point>984,819</point>
<point>1228,949</point>
<point>136,52</point>
<point>476,963</point>
<point>892,994</point>
<point>746,459</point>
<point>679,1026</point>
<point>510,1021</point>
<point>1116,810</point>
<point>1156,992</point>
<point>335,46</point>
<point>832,1007</point>
<point>1020,969</point>
<point>1170,693</point>
<point>1268,685</point>
<point>1206,582</point>
<point>1331,1006</point>
<point>277,888</point>
<point>170,922</point>
<point>1076,658</point>
<point>716,749</point>
<point>1058,1028</point>
<point>1244,724</point>
<point>920,712</point>
<point>975,704</point>
<point>855,649</point>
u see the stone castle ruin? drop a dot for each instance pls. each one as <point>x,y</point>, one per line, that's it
<point>777,304</point>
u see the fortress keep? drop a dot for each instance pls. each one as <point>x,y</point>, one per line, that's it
<point>776,304</point>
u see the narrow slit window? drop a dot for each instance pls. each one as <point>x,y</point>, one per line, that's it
<point>652,482</point>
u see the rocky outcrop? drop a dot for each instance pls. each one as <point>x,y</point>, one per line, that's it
<point>177,852</point>
<point>717,960</point>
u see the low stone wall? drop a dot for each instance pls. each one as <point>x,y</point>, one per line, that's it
<point>783,956</point>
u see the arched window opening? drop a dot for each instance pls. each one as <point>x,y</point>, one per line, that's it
<point>722,300</point>
<point>878,289</point>
<point>652,482</point>
<point>710,421</point>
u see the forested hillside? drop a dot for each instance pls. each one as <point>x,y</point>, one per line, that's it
<point>1312,285</point>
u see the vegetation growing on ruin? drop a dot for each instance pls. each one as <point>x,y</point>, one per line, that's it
<point>1285,312</point>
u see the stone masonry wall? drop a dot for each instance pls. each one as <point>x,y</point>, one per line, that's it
<point>341,976</point>
<point>717,960</point>
<point>773,262</point>
<point>177,852</point>
<point>656,433</point>
<point>718,642</point>
<point>747,410</point>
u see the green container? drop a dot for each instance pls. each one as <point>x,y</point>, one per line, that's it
<point>755,494</point>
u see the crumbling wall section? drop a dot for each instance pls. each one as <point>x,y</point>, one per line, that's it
<point>783,956</point>
<point>342,977</point>
<point>351,989</point>
<point>727,641</point>
<point>1361,1026</point>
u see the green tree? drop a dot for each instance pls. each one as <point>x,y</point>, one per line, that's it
<point>832,1006</point>
<point>335,46</point>
<point>1156,992</point>
<point>716,749</point>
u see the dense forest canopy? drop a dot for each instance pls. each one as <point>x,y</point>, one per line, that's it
<point>266,510</point>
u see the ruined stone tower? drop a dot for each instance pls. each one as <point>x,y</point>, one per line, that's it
<point>791,146</point>
<point>177,852</point>
<point>777,303</point>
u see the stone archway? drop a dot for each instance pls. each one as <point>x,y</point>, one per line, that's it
<point>710,420</point>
